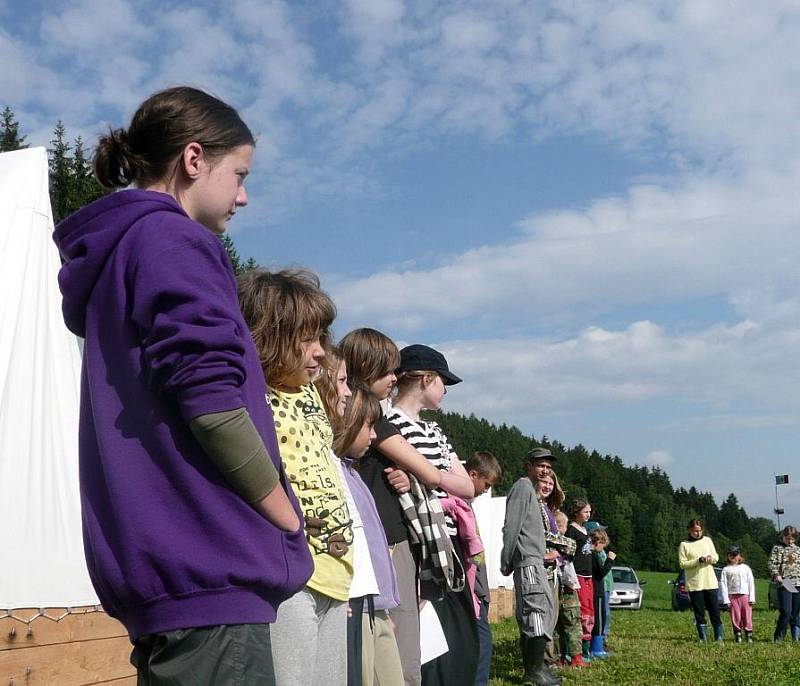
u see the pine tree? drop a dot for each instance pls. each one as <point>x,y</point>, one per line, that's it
<point>61,173</point>
<point>85,187</point>
<point>233,253</point>
<point>9,132</point>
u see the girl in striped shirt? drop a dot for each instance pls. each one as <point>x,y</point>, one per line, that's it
<point>421,385</point>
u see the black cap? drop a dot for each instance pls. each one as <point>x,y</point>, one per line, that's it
<point>421,358</point>
<point>540,454</point>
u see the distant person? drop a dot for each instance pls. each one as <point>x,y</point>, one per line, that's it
<point>580,513</point>
<point>549,492</point>
<point>191,539</point>
<point>568,626</point>
<point>602,561</point>
<point>289,316</point>
<point>784,566</point>
<point>524,547</point>
<point>697,557</point>
<point>738,590</point>
<point>485,472</point>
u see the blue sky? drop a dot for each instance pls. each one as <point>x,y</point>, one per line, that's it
<point>591,208</point>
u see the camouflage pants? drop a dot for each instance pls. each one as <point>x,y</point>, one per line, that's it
<point>568,627</point>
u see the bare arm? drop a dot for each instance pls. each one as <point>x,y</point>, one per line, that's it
<point>275,507</point>
<point>457,482</point>
<point>403,454</point>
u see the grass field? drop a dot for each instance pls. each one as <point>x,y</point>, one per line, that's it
<point>659,646</point>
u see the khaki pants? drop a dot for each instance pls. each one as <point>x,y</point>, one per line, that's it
<point>380,659</point>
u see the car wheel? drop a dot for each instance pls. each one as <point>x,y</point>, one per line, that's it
<point>639,604</point>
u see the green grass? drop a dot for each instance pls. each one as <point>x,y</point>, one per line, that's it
<point>659,646</point>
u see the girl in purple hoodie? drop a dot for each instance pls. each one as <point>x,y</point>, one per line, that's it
<point>192,539</point>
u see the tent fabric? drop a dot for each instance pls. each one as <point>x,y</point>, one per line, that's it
<point>40,361</point>
<point>490,513</point>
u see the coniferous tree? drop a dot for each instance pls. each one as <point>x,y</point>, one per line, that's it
<point>61,173</point>
<point>10,138</point>
<point>233,253</point>
<point>85,187</point>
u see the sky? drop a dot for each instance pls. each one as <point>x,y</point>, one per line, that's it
<point>591,208</point>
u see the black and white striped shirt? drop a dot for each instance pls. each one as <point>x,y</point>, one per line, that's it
<point>430,441</point>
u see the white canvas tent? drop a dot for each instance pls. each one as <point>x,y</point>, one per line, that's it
<point>40,536</point>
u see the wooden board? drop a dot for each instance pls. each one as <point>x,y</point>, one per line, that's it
<point>501,604</point>
<point>44,631</point>
<point>80,649</point>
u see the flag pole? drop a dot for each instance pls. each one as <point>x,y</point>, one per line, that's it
<point>777,506</point>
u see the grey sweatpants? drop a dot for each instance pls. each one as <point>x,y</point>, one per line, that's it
<point>406,615</point>
<point>309,640</point>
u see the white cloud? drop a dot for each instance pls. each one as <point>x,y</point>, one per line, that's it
<point>659,458</point>
<point>719,370</point>
<point>706,238</point>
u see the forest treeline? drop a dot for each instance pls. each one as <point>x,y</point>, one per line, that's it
<point>645,515</point>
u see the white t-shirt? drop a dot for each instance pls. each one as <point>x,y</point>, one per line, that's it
<point>364,581</point>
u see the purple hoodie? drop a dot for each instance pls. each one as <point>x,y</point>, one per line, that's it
<point>168,544</point>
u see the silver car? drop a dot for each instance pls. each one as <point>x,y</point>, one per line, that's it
<point>627,592</point>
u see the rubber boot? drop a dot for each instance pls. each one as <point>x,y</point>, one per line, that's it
<point>536,674</point>
<point>702,632</point>
<point>578,661</point>
<point>598,650</point>
<point>586,651</point>
<point>796,633</point>
<point>718,633</point>
<point>737,635</point>
<point>748,635</point>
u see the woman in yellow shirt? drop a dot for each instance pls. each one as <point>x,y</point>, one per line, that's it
<point>697,557</point>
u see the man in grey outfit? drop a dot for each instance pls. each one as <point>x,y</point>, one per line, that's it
<point>523,553</point>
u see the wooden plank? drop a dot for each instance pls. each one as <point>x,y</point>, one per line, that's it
<point>124,681</point>
<point>79,626</point>
<point>69,664</point>
<point>501,604</point>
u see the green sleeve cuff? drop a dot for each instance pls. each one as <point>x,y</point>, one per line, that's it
<point>234,446</point>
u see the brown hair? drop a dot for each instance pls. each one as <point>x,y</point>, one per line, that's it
<point>327,385</point>
<point>788,531</point>
<point>486,464</point>
<point>599,536</point>
<point>369,355</point>
<point>361,407</point>
<point>577,505</point>
<point>161,128</point>
<point>695,522</point>
<point>283,309</point>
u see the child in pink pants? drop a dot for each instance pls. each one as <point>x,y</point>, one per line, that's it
<point>738,589</point>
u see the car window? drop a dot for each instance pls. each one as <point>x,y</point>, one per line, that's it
<point>623,576</point>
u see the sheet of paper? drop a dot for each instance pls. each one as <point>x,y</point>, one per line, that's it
<point>789,586</point>
<point>432,642</point>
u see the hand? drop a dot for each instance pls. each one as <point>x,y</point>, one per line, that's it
<point>612,555</point>
<point>551,555</point>
<point>398,479</point>
<point>779,579</point>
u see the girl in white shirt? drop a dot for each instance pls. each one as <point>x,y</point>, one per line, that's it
<point>738,589</point>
